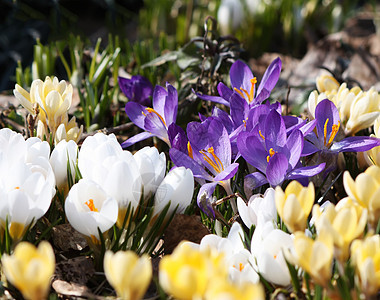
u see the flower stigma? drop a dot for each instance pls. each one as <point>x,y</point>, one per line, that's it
<point>91,205</point>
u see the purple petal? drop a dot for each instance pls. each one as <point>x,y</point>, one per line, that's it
<point>295,146</point>
<point>257,115</point>
<point>224,91</point>
<point>254,180</point>
<point>264,94</point>
<point>326,110</point>
<point>154,124</point>
<point>125,85</point>
<point>305,171</point>
<point>138,89</point>
<point>240,76</point>
<point>309,148</point>
<point>159,99</point>
<point>171,105</point>
<point>220,141</point>
<point>355,144</point>
<point>197,134</point>
<point>270,77</point>
<point>135,112</point>
<point>215,99</point>
<point>252,150</point>
<point>227,173</point>
<point>223,117</point>
<point>276,170</point>
<point>204,198</point>
<point>181,159</point>
<point>238,109</point>
<point>177,137</point>
<point>274,131</point>
<point>136,138</point>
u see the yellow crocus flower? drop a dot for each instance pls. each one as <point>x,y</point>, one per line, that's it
<point>313,256</point>
<point>365,190</point>
<point>366,259</point>
<point>187,272</point>
<point>372,156</point>
<point>30,269</point>
<point>295,204</point>
<point>222,289</point>
<point>327,83</point>
<point>129,274</point>
<point>345,222</point>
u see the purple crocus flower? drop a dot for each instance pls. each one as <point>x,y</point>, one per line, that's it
<point>276,155</point>
<point>209,157</point>
<point>244,84</point>
<point>328,124</point>
<point>155,121</point>
<point>137,89</point>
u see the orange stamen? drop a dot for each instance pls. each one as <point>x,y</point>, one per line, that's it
<point>17,188</point>
<point>151,110</point>
<point>216,164</point>
<point>239,92</point>
<point>91,205</point>
<point>261,135</point>
<point>241,267</point>
<point>334,131</point>
<point>271,153</point>
<point>190,150</point>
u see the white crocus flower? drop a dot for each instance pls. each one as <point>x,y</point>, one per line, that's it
<point>102,160</point>
<point>64,153</point>
<point>178,188</point>
<point>267,247</point>
<point>238,259</point>
<point>88,207</point>
<point>27,183</point>
<point>152,166</point>
<point>260,209</point>
<point>26,196</point>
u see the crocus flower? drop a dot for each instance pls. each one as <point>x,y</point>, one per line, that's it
<point>365,256</point>
<point>178,188</point>
<point>244,84</point>
<point>268,148</point>
<point>372,156</point>
<point>313,256</point>
<point>27,184</point>
<point>295,204</point>
<point>238,259</point>
<point>268,253</point>
<point>345,222</point>
<point>259,209</point>
<point>137,89</point>
<point>63,155</point>
<point>152,167</point>
<point>53,98</point>
<point>365,190</point>
<point>102,160</point>
<point>186,273</point>
<point>222,289</point>
<point>328,124</point>
<point>157,120</point>
<point>30,269</point>
<point>67,130</point>
<point>88,208</point>
<point>129,274</point>
<point>209,151</point>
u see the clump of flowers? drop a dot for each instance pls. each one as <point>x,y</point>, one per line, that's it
<point>48,103</point>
